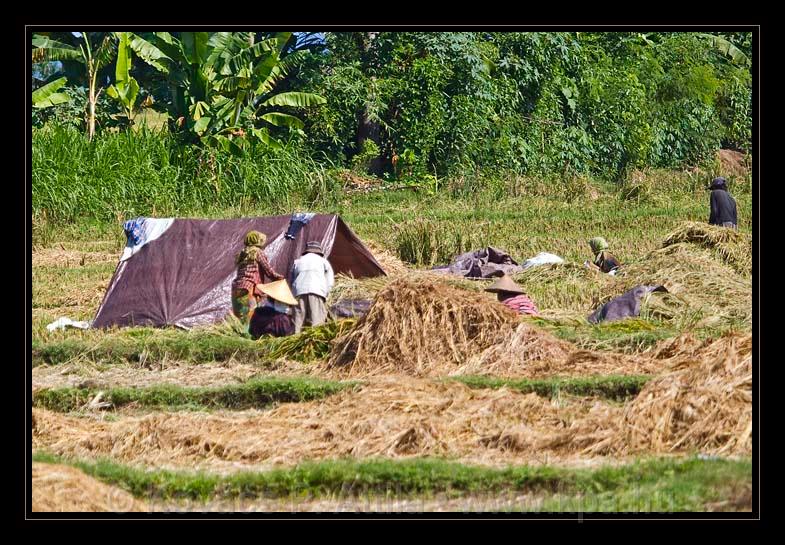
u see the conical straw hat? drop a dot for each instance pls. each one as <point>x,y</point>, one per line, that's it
<point>278,290</point>
<point>505,283</point>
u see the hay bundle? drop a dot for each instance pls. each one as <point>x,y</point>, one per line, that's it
<point>568,287</point>
<point>534,353</point>
<point>730,246</point>
<point>389,262</point>
<point>62,489</point>
<point>415,327</point>
<point>704,403</point>
<point>699,285</point>
<point>526,345</point>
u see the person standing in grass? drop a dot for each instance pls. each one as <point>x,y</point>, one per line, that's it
<point>511,295</point>
<point>722,205</point>
<point>603,259</point>
<point>312,280</point>
<point>252,268</point>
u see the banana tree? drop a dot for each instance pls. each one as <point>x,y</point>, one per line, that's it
<point>47,95</point>
<point>225,84</point>
<point>126,88</point>
<point>46,49</point>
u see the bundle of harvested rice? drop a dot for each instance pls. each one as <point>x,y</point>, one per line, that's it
<point>526,345</point>
<point>729,245</point>
<point>415,327</point>
<point>568,287</point>
<point>347,287</point>
<point>389,262</point>
<point>703,404</point>
<point>61,489</point>
<point>392,417</point>
<point>534,353</point>
<point>698,285</point>
<point>312,343</point>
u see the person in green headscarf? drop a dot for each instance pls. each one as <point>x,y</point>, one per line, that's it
<point>252,268</point>
<point>603,259</point>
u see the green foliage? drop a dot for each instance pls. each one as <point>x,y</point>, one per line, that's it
<point>73,112</point>
<point>47,96</point>
<point>225,84</point>
<point>600,104</point>
<point>362,161</point>
<point>126,88</point>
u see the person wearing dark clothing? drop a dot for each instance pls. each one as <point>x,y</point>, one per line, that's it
<point>274,316</point>
<point>723,207</point>
<point>266,320</point>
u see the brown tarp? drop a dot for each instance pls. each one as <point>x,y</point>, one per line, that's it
<point>184,277</point>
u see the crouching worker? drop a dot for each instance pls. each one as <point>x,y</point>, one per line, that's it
<point>253,268</point>
<point>721,204</point>
<point>274,316</point>
<point>512,296</point>
<point>312,280</point>
<point>603,259</point>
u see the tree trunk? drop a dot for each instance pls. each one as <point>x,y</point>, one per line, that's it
<point>91,113</point>
<point>369,129</point>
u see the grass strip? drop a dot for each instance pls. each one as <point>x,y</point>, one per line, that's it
<point>615,387</point>
<point>655,484</point>
<point>253,394</point>
<point>137,345</point>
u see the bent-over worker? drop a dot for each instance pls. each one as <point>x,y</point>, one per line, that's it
<point>722,205</point>
<point>511,295</point>
<point>603,259</point>
<point>312,280</point>
<point>252,268</point>
<point>274,317</point>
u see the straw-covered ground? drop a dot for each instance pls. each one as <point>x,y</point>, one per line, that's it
<point>534,411</point>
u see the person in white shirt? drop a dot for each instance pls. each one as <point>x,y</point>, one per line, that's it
<point>312,279</point>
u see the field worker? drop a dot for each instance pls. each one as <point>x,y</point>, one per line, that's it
<point>603,259</point>
<point>274,316</point>
<point>512,296</point>
<point>723,207</point>
<point>312,280</point>
<point>252,268</point>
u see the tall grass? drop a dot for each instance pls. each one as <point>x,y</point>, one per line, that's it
<point>122,175</point>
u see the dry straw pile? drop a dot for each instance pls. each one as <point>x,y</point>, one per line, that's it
<point>394,417</point>
<point>728,245</point>
<point>703,404</point>
<point>416,326</point>
<point>533,353</point>
<point>59,488</point>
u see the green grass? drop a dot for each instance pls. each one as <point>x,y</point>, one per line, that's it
<point>256,393</point>
<point>146,345</point>
<point>615,387</point>
<point>644,485</point>
<point>145,172</point>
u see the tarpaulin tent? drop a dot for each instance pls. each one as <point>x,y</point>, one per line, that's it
<point>183,275</point>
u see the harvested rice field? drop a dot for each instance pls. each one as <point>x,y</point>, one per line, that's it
<point>438,399</point>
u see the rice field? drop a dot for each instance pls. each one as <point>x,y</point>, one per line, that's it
<point>438,399</point>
